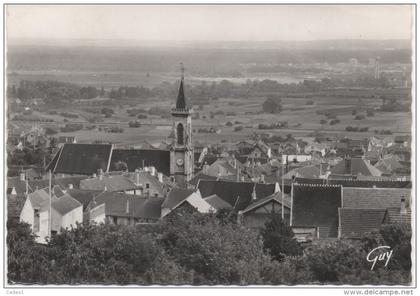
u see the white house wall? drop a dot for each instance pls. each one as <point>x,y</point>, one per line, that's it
<point>72,217</point>
<point>27,213</point>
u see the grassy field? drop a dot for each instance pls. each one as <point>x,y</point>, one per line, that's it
<point>302,120</point>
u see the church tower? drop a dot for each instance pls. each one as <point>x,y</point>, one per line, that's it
<point>182,155</point>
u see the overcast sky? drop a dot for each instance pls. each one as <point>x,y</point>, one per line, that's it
<point>202,23</point>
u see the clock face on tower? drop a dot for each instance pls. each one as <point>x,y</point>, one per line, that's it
<point>179,161</point>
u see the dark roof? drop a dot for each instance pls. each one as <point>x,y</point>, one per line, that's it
<point>83,196</point>
<point>138,207</point>
<point>209,159</point>
<point>274,197</point>
<point>137,158</point>
<point>62,182</point>
<point>201,176</point>
<point>355,222</point>
<point>217,203</point>
<point>316,205</point>
<point>180,101</point>
<point>375,198</point>
<point>83,159</point>
<point>357,166</point>
<point>176,196</point>
<point>356,183</point>
<point>15,205</point>
<point>20,186</point>
<point>243,159</point>
<point>65,204</point>
<point>230,191</point>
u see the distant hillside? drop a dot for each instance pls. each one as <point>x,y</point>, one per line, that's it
<point>227,58</point>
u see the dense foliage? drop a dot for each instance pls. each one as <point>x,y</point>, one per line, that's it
<point>195,249</point>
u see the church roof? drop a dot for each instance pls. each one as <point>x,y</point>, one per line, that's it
<point>180,101</point>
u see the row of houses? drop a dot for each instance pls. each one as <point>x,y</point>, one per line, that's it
<point>343,208</point>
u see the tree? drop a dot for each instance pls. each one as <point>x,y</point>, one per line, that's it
<point>27,261</point>
<point>217,253</point>
<point>272,105</point>
<point>370,112</point>
<point>279,239</point>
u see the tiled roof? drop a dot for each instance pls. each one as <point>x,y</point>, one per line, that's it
<point>146,177</point>
<point>356,183</point>
<point>84,159</point>
<point>111,183</point>
<point>217,203</point>
<point>62,182</point>
<point>237,194</point>
<point>389,163</point>
<point>139,158</point>
<point>39,198</point>
<point>303,172</point>
<point>176,196</point>
<point>316,205</point>
<point>274,197</point>
<point>65,204</point>
<point>83,196</point>
<point>201,176</point>
<point>138,207</point>
<point>15,205</point>
<point>355,222</point>
<point>357,166</point>
<point>395,216</point>
<point>375,198</point>
<point>220,167</point>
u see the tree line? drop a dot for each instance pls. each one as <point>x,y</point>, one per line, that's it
<point>190,248</point>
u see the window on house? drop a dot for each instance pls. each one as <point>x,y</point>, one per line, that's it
<point>36,220</point>
<point>115,220</point>
<point>147,185</point>
<point>180,134</point>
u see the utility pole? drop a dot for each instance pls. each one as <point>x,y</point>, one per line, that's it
<point>282,190</point>
<point>49,212</point>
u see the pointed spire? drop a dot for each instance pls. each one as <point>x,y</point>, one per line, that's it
<point>180,102</point>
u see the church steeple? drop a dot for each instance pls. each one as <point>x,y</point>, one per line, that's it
<point>181,151</point>
<point>180,102</point>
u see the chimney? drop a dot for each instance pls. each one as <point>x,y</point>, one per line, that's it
<point>101,174</point>
<point>205,168</point>
<point>254,193</point>
<point>105,188</point>
<point>160,177</point>
<point>262,178</point>
<point>22,176</point>
<point>152,170</point>
<point>237,173</point>
<point>403,209</point>
<point>127,208</point>
<point>137,178</point>
<point>347,165</point>
<point>94,175</point>
<point>242,178</point>
<point>70,186</point>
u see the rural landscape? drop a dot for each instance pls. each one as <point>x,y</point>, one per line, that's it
<point>134,162</point>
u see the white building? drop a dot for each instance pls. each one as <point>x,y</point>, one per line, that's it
<point>65,212</point>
